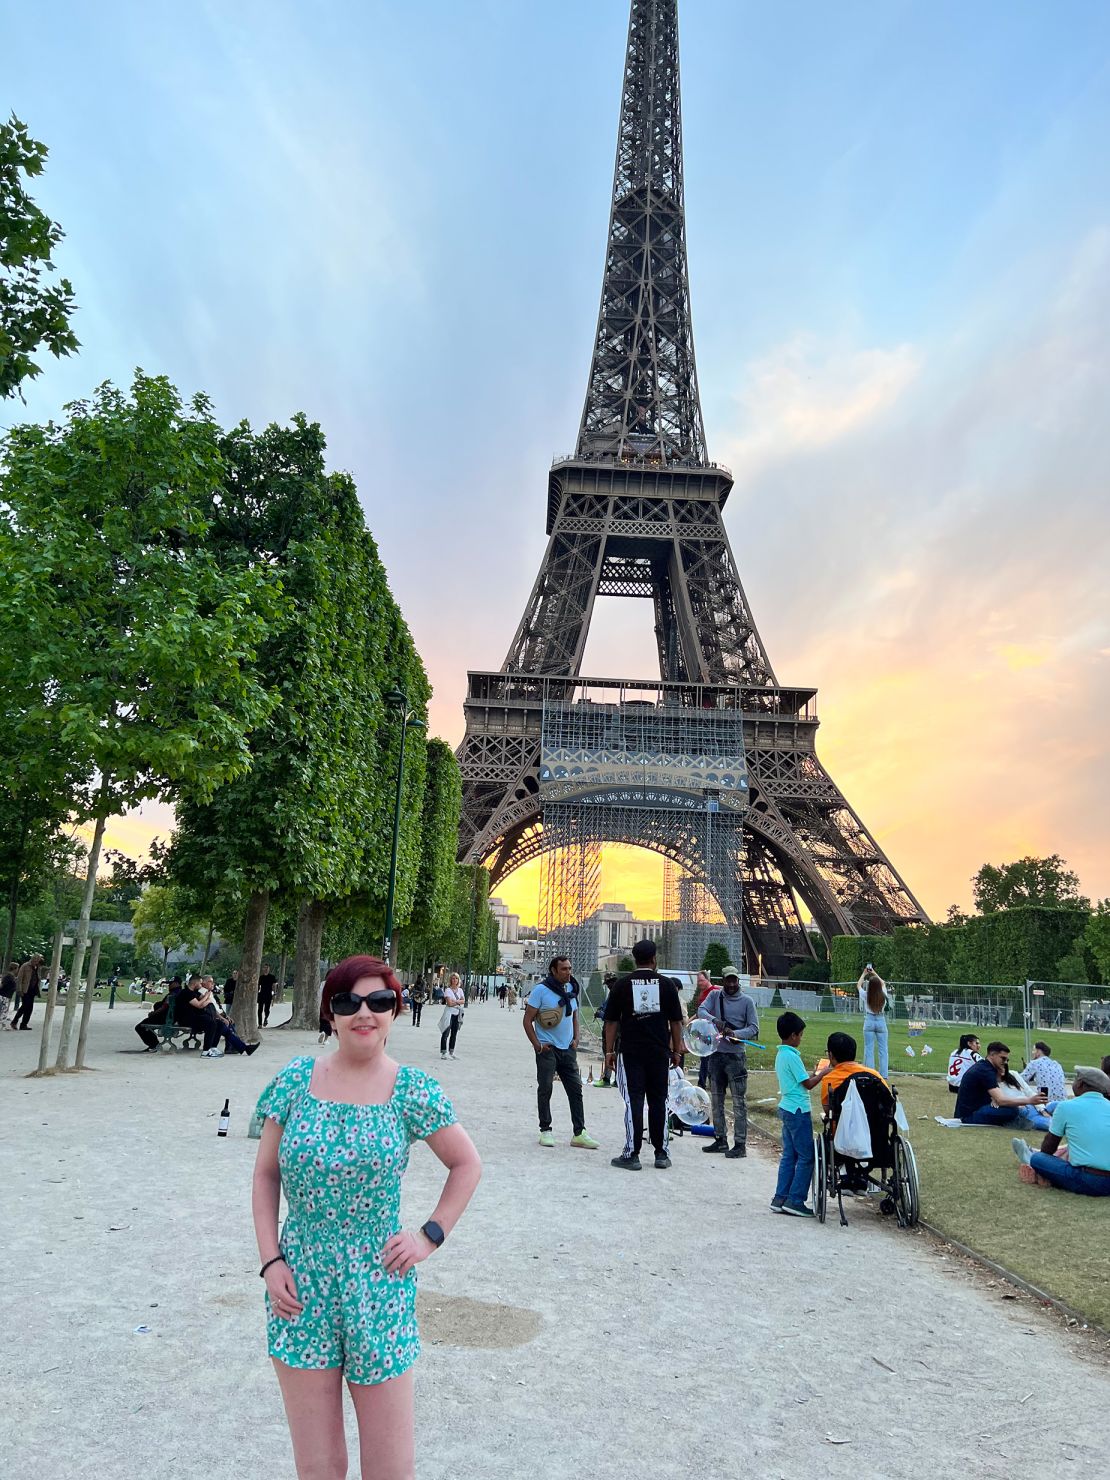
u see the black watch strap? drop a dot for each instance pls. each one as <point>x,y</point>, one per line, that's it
<point>433,1233</point>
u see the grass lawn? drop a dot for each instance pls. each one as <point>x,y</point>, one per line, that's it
<point>969,1185</point>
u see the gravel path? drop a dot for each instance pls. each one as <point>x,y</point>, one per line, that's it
<point>580,1321</point>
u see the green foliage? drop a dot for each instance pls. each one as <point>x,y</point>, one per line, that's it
<point>134,639</point>
<point>626,963</point>
<point>809,971</point>
<point>849,954</point>
<point>439,835</point>
<point>1097,937</point>
<point>33,312</point>
<point>165,919</point>
<point>715,959</point>
<point>1028,881</point>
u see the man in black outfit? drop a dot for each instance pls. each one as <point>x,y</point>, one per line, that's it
<point>158,1014</point>
<point>646,1009</point>
<point>266,984</point>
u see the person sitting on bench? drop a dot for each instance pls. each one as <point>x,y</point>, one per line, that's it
<point>196,1008</point>
<point>157,1016</point>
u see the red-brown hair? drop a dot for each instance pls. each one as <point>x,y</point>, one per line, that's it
<point>343,976</point>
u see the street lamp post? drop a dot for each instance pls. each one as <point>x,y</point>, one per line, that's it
<point>409,721</point>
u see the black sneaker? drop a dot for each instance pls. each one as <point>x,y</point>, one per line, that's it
<point>251,1048</point>
<point>627,1163</point>
<point>716,1146</point>
<point>736,1151</point>
<point>662,1161</point>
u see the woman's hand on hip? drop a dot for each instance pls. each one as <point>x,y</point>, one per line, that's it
<point>282,1290</point>
<point>404,1251</point>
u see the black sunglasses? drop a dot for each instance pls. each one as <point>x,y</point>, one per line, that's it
<point>346,1004</point>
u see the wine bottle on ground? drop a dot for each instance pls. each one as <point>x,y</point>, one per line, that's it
<point>225,1119</point>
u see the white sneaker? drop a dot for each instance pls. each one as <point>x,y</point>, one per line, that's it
<point>443,1055</point>
<point>454,1055</point>
<point>211,1053</point>
<point>323,1038</point>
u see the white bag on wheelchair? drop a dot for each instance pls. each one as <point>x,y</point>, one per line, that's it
<point>853,1133</point>
<point>900,1117</point>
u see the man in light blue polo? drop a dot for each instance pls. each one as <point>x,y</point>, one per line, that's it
<point>551,1025</point>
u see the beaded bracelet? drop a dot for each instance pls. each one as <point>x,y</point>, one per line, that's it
<point>277,1259</point>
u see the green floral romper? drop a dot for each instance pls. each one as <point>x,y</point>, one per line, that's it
<point>341,1169</point>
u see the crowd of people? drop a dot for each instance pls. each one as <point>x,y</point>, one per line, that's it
<point>196,1005</point>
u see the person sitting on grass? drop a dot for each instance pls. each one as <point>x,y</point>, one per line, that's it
<point>985,1099</point>
<point>1043,1072</point>
<point>966,1055</point>
<point>1085,1122</point>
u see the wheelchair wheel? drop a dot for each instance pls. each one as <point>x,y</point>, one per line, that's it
<point>820,1177</point>
<point>906,1199</point>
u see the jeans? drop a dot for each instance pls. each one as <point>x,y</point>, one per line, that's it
<point>22,1016</point>
<point>416,1008</point>
<point>640,1079</point>
<point>449,1034</point>
<point>1004,1115</point>
<point>875,1034</point>
<point>796,1163</point>
<point>729,1071</point>
<point>1069,1178</point>
<point>564,1062</point>
<point>265,1002</point>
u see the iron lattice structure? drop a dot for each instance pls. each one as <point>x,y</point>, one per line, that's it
<point>691,919</point>
<point>636,512</point>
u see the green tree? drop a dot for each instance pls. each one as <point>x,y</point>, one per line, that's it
<point>626,963</point>
<point>166,919</point>
<point>139,639</point>
<point>1097,937</point>
<point>715,959</point>
<point>1028,881</point>
<point>33,312</point>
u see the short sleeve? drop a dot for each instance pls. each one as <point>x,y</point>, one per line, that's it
<point>535,997</point>
<point>1059,1123</point>
<point>277,1099</point>
<point>424,1107</point>
<point>615,1003</point>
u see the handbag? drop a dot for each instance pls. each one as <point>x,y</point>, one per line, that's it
<point>853,1132</point>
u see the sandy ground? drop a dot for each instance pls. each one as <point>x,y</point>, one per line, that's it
<point>580,1321</point>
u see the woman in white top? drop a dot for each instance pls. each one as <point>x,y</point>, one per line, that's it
<point>962,1060</point>
<point>873,1004</point>
<point>451,1016</point>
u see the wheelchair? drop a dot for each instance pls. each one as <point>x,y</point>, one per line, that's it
<point>891,1170</point>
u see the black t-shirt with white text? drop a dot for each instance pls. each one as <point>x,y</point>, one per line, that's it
<point>644,1005</point>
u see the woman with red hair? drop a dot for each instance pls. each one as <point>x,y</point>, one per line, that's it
<point>340,1277</point>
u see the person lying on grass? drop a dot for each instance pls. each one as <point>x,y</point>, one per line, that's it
<point>1085,1121</point>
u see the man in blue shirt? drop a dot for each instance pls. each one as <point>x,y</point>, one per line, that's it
<point>984,1099</point>
<point>551,1024</point>
<point>1084,1122</point>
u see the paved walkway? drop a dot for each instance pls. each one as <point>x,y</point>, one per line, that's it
<point>581,1321</point>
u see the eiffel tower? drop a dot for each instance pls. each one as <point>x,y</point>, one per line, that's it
<point>714,766</point>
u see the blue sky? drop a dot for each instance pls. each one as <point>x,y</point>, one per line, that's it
<point>392,216</point>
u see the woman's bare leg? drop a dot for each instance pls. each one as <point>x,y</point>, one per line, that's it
<point>314,1408</point>
<point>385,1433</point>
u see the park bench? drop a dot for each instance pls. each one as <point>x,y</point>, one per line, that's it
<point>170,1031</point>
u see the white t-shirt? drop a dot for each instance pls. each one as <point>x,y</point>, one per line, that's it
<point>861,987</point>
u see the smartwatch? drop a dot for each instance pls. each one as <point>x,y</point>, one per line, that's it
<point>433,1233</point>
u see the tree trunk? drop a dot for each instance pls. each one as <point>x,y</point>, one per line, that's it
<point>51,1001</point>
<point>250,967</point>
<point>86,1006</point>
<point>82,937</point>
<point>280,994</point>
<point>306,964</point>
<point>207,946</point>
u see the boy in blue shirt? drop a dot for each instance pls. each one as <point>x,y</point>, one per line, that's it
<point>796,1165</point>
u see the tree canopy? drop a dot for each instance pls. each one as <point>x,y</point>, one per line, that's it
<point>33,310</point>
<point>1027,881</point>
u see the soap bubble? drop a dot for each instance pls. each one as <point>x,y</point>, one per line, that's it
<point>700,1037</point>
<point>690,1104</point>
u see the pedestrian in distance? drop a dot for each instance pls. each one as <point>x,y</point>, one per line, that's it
<point>796,1161</point>
<point>873,1002</point>
<point>7,993</point>
<point>28,980</point>
<point>230,987</point>
<point>646,1010</point>
<point>417,999</point>
<point>551,1023</point>
<point>266,984</point>
<point>733,1014</point>
<point>340,1277</point>
<point>450,1019</point>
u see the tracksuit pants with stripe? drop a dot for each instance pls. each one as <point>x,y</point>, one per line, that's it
<point>639,1079</point>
